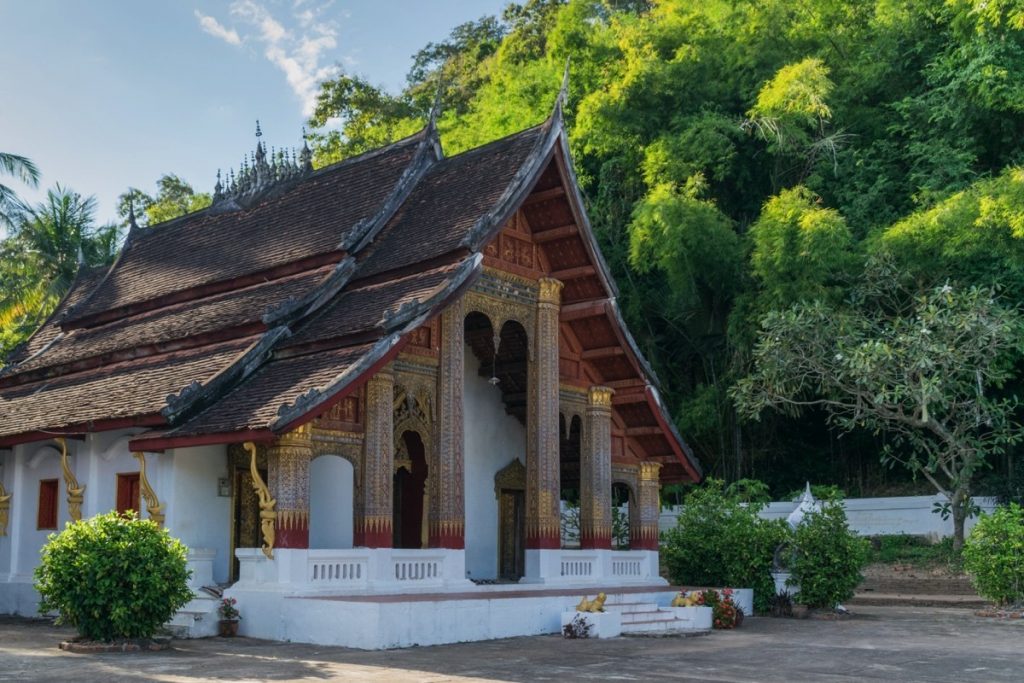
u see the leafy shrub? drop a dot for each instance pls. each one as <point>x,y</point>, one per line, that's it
<point>720,541</point>
<point>827,558</point>
<point>994,555</point>
<point>113,576</point>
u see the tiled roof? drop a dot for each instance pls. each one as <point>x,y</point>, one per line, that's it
<point>447,203</point>
<point>122,390</point>
<point>165,326</point>
<point>311,219</point>
<point>254,403</point>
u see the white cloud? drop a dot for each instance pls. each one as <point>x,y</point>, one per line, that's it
<point>218,30</point>
<point>300,53</point>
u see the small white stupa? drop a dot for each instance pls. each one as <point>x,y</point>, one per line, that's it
<point>806,505</point>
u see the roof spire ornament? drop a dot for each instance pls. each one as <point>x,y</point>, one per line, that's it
<point>132,225</point>
<point>563,92</point>
<point>306,156</point>
<point>218,189</point>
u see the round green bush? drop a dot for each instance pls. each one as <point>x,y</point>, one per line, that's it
<point>994,555</point>
<point>113,576</point>
<point>719,541</point>
<point>827,558</point>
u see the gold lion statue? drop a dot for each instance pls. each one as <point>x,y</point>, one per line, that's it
<point>595,605</point>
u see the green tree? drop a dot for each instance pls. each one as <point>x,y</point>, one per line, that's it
<point>174,197</point>
<point>923,369</point>
<point>46,246</point>
<point>24,170</point>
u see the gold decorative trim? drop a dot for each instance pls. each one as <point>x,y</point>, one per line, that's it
<point>5,509</point>
<point>153,506</point>
<point>550,291</point>
<point>267,515</point>
<point>601,397</point>
<point>511,277</point>
<point>76,492</point>
<point>511,477</point>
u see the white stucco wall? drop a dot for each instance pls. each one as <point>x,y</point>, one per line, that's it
<point>330,502</point>
<point>195,512</point>
<point>492,439</point>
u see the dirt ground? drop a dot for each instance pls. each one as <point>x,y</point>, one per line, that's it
<point>876,644</point>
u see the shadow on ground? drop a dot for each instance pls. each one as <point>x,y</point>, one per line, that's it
<point>877,644</point>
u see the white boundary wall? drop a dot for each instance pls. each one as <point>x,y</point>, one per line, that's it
<point>874,516</point>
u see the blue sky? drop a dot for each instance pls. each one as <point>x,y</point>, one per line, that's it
<point>108,94</point>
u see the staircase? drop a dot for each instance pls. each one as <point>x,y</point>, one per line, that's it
<point>913,587</point>
<point>647,619</point>
<point>197,619</point>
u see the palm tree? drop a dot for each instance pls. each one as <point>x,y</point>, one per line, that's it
<point>38,261</point>
<point>22,169</point>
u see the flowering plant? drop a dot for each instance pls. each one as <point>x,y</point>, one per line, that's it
<point>724,612</point>
<point>227,609</point>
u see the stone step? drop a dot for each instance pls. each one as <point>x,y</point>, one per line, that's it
<point>916,600</point>
<point>656,626</point>
<point>628,607</point>
<point>645,617</point>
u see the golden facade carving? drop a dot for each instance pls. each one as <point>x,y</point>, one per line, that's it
<point>373,521</point>
<point>447,479</point>
<point>510,477</point>
<point>289,457</point>
<point>596,470</point>
<point>543,516</point>
<point>5,509</point>
<point>648,506</point>
<point>76,492</point>
<point>268,517</point>
<point>153,505</point>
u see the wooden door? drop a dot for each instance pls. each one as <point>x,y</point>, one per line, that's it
<point>512,527</point>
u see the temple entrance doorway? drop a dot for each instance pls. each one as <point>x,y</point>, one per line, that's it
<point>410,500</point>
<point>510,488</point>
<point>245,504</point>
<point>623,514</point>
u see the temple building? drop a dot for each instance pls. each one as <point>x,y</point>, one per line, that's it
<point>355,392</point>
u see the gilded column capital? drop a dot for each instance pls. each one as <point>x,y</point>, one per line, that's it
<point>600,397</point>
<point>549,291</point>
<point>649,471</point>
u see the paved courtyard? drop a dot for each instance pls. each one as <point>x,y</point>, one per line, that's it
<point>878,644</point>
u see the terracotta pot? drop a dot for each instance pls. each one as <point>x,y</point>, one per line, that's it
<point>228,627</point>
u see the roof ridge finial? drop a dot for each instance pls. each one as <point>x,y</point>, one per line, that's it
<point>563,92</point>
<point>435,109</point>
<point>259,133</point>
<point>81,256</point>
<point>306,155</point>
<point>132,225</point>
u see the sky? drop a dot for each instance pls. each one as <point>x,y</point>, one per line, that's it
<point>109,94</point>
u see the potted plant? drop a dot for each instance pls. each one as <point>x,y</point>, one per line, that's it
<point>229,617</point>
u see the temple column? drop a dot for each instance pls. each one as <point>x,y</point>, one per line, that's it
<point>543,515</point>
<point>373,527</point>
<point>288,461</point>
<point>596,471</point>
<point>447,482</point>
<point>643,534</point>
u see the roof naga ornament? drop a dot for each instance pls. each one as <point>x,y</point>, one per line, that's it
<point>76,492</point>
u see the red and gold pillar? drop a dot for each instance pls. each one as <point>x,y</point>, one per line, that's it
<point>447,524</point>
<point>543,515</point>
<point>596,471</point>
<point>373,525</point>
<point>288,460</point>
<point>643,535</point>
